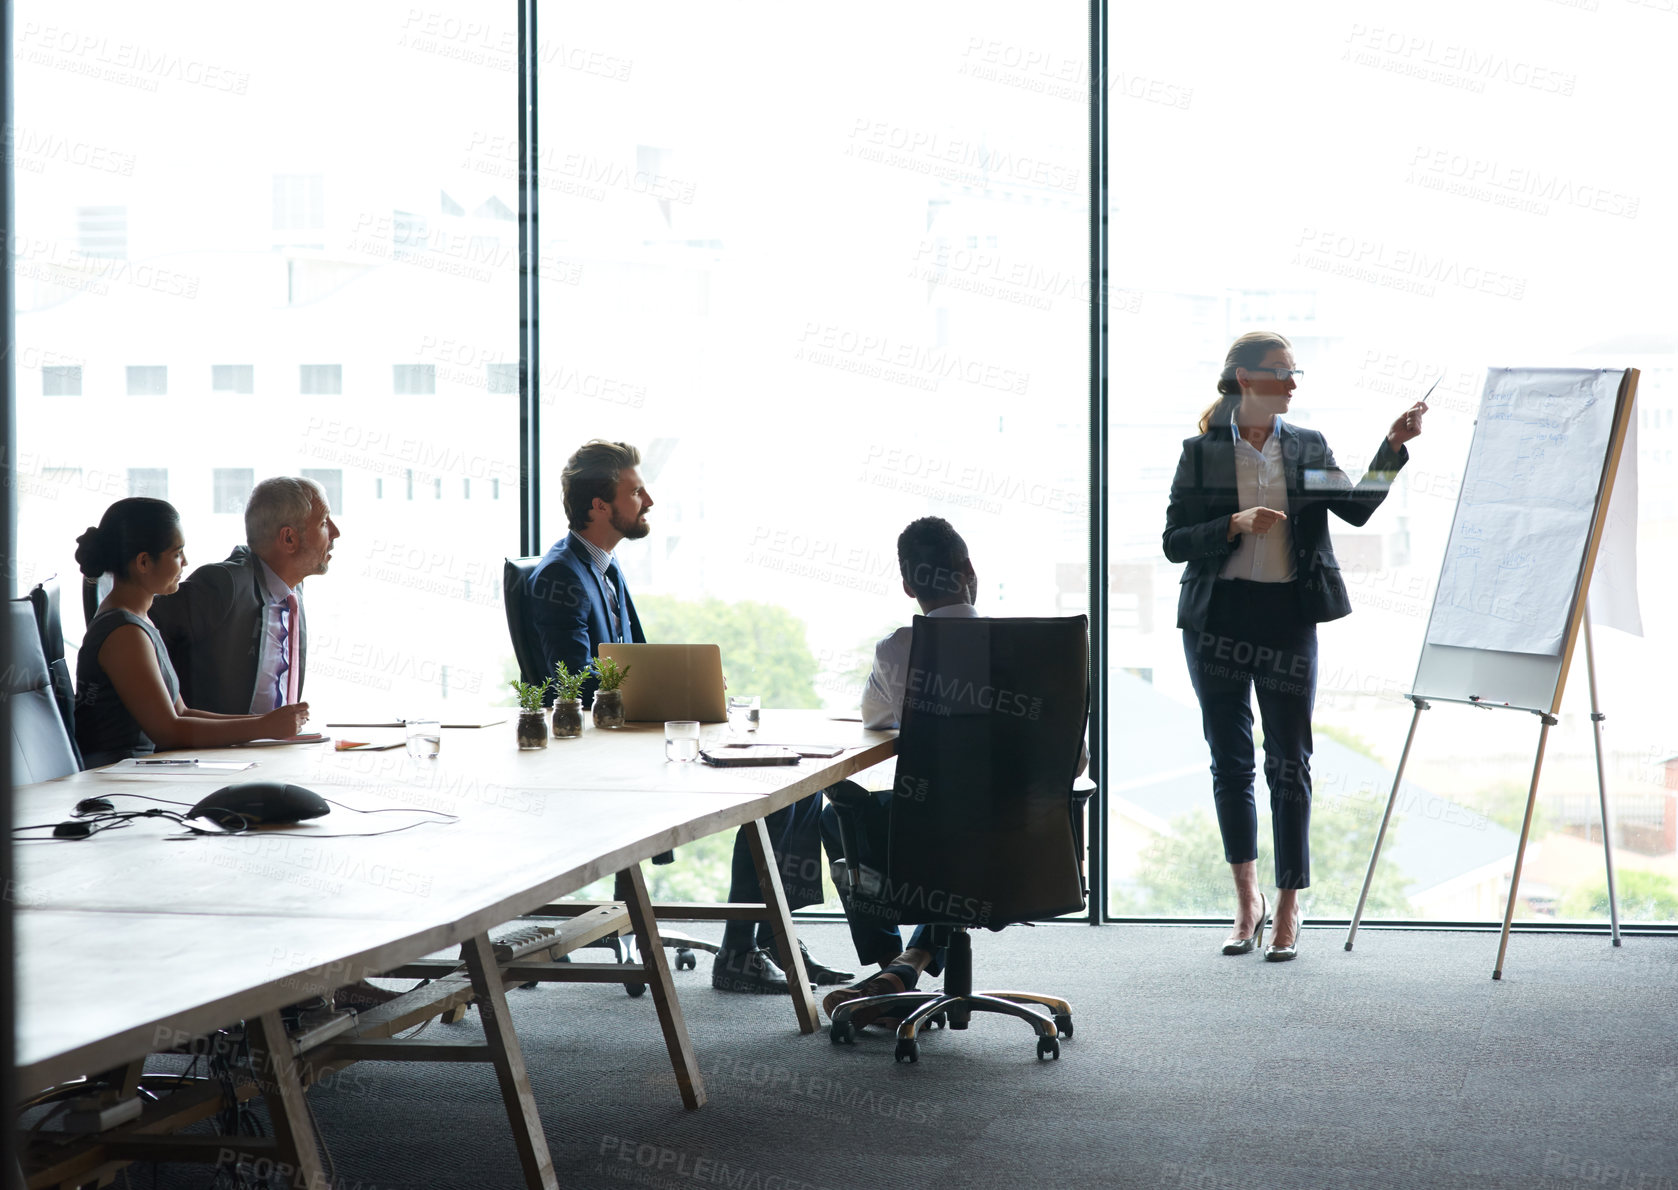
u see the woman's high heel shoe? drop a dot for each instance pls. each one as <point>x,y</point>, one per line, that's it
<point>1281,954</point>
<point>1256,940</point>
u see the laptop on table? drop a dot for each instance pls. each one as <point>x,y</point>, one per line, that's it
<point>671,682</point>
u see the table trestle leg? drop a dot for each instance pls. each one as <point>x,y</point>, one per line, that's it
<point>508,1059</point>
<point>780,921</point>
<point>631,889</point>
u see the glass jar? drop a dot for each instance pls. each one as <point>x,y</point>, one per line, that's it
<point>608,708</point>
<point>568,718</point>
<point>533,730</point>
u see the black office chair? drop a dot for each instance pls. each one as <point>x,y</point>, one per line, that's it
<point>43,598</point>
<point>42,746</point>
<point>985,824</point>
<point>515,597</point>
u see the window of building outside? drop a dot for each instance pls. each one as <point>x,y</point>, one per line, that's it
<point>415,379</point>
<point>233,378</point>
<point>778,304</point>
<point>149,481</point>
<point>299,202</point>
<point>320,380</point>
<point>232,488</point>
<point>61,381</point>
<point>148,380</point>
<point>283,259</point>
<point>102,232</point>
<point>1407,200</point>
<point>332,481</point>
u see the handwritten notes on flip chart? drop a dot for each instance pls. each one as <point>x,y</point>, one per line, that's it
<point>1524,516</point>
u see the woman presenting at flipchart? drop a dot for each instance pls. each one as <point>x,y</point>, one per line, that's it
<point>1249,514</point>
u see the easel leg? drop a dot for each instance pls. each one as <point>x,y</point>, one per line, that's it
<point>508,1059</point>
<point>1602,783</point>
<point>631,889</point>
<point>780,921</point>
<point>294,1129</point>
<point>1381,834</point>
<point>1521,848</point>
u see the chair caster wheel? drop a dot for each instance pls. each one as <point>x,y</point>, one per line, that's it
<point>1048,1047</point>
<point>908,1049</point>
<point>685,960</point>
<point>635,989</point>
<point>842,1033</point>
<point>937,1021</point>
<point>1063,1023</point>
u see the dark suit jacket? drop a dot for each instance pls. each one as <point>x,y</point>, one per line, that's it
<point>569,611</point>
<point>212,627</point>
<point>1204,497</point>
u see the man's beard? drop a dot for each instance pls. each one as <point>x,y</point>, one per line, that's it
<point>632,530</point>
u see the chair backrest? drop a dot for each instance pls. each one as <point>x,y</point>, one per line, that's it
<point>43,598</point>
<point>993,721</point>
<point>42,747</point>
<point>515,596</point>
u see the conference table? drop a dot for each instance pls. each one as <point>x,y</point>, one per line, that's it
<point>144,938</point>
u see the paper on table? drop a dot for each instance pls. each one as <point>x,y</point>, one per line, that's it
<point>313,738</point>
<point>1524,518</point>
<point>170,767</point>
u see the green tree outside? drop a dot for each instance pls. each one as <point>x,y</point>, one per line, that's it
<point>764,647</point>
<point>1184,873</point>
<point>1643,896</point>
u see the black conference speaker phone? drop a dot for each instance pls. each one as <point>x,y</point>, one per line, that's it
<point>259,803</point>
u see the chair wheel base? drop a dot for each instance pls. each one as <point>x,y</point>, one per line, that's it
<point>1063,1024</point>
<point>908,1050</point>
<point>685,960</point>
<point>1048,1047</point>
<point>842,1033</point>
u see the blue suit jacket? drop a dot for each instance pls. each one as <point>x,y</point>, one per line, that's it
<point>569,611</point>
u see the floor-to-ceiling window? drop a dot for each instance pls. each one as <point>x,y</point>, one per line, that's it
<point>245,252</point>
<point>827,270</point>
<point>1409,193</point>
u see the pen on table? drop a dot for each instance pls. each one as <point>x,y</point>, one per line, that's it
<point>165,762</point>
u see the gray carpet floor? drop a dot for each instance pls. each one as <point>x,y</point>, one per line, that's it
<point>1401,1064</point>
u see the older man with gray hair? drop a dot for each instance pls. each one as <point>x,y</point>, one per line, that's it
<point>236,630</point>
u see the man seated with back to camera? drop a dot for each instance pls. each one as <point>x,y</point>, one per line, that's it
<point>938,574</point>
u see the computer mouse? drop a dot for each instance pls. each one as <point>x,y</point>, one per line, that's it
<point>93,805</point>
<point>259,803</point>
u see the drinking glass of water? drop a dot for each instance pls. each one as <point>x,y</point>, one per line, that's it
<point>425,736</point>
<point>742,713</point>
<point>681,739</point>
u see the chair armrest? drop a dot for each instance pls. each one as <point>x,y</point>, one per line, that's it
<point>1082,790</point>
<point>847,793</point>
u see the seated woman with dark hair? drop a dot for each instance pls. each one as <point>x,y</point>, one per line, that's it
<point>128,700</point>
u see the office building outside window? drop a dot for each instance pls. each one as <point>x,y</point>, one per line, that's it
<point>61,381</point>
<point>149,481</point>
<point>233,378</point>
<point>148,380</point>
<point>232,488</point>
<point>317,380</point>
<point>331,481</point>
<point>415,379</point>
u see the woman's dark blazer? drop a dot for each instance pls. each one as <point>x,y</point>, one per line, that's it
<point>1204,497</point>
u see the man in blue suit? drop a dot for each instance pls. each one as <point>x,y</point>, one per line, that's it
<point>578,602</point>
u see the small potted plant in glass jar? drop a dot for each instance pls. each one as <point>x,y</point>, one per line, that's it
<point>533,722</point>
<point>568,704</point>
<point>608,699</point>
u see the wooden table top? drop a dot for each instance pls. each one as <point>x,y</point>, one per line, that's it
<point>130,932</point>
